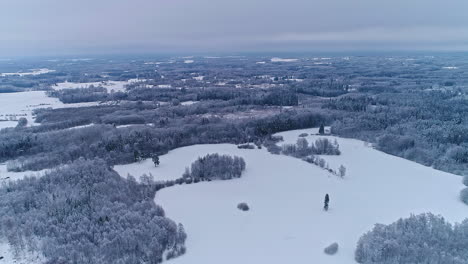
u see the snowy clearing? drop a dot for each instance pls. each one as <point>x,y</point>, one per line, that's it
<point>9,257</point>
<point>116,86</point>
<point>13,176</point>
<point>189,102</point>
<point>13,106</point>
<point>282,60</point>
<point>286,223</point>
<point>32,72</point>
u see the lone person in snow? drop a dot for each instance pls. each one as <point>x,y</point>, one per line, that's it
<point>327,200</point>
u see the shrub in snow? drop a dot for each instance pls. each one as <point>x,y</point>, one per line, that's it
<point>272,147</point>
<point>215,167</point>
<point>243,207</point>
<point>246,146</point>
<point>342,171</point>
<point>331,249</point>
<point>424,238</point>
<point>303,135</point>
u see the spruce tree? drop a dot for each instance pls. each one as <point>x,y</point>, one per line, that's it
<point>321,129</point>
<point>327,200</point>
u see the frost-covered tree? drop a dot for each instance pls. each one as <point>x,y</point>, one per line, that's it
<point>216,167</point>
<point>424,238</point>
<point>85,212</point>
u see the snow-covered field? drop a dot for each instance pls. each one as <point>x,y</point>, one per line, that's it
<point>275,59</point>
<point>9,257</point>
<point>16,105</point>
<point>116,86</point>
<point>32,72</point>
<point>286,223</point>
<point>12,176</point>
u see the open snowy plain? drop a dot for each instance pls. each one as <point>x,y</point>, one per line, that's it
<point>286,222</point>
<point>13,106</point>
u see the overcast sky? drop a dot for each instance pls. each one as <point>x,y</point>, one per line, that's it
<point>57,27</point>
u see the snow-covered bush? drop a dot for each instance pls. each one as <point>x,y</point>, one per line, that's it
<point>323,146</point>
<point>331,249</point>
<point>243,207</point>
<point>342,171</point>
<point>246,146</point>
<point>216,167</point>
<point>424,238</point>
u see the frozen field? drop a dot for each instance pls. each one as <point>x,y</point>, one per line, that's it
<point>276,59</point>
<point>286,223</point>
<point>13,106</point>
<point>116,86</point>
<point>32,72</point>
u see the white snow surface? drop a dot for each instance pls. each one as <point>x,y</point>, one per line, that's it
<point>13,106</point>
<point>189,102</point>
<point>276,59</point>
<point>6,176</point>
<point>286,223</point>
<point>32,72</point>
<point>24,258</point>
<point>116,86</point>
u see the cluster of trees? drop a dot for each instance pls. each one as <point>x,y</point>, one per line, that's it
<point>424,238</point>
<point>215,167</point>
<point>84,212</point>
<point>302,148</point>
<point>274,96</point>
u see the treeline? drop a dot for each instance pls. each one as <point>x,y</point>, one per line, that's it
<point>35,151</point>
<point>274,96</point>
<point>84,212</point>
<point>239,96</point>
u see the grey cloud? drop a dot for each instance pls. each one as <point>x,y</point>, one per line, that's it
<point>67,26</point>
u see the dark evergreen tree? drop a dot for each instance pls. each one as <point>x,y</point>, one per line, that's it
<point>327,200</point>
<point>321,129</point>
<point>155,159</point>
